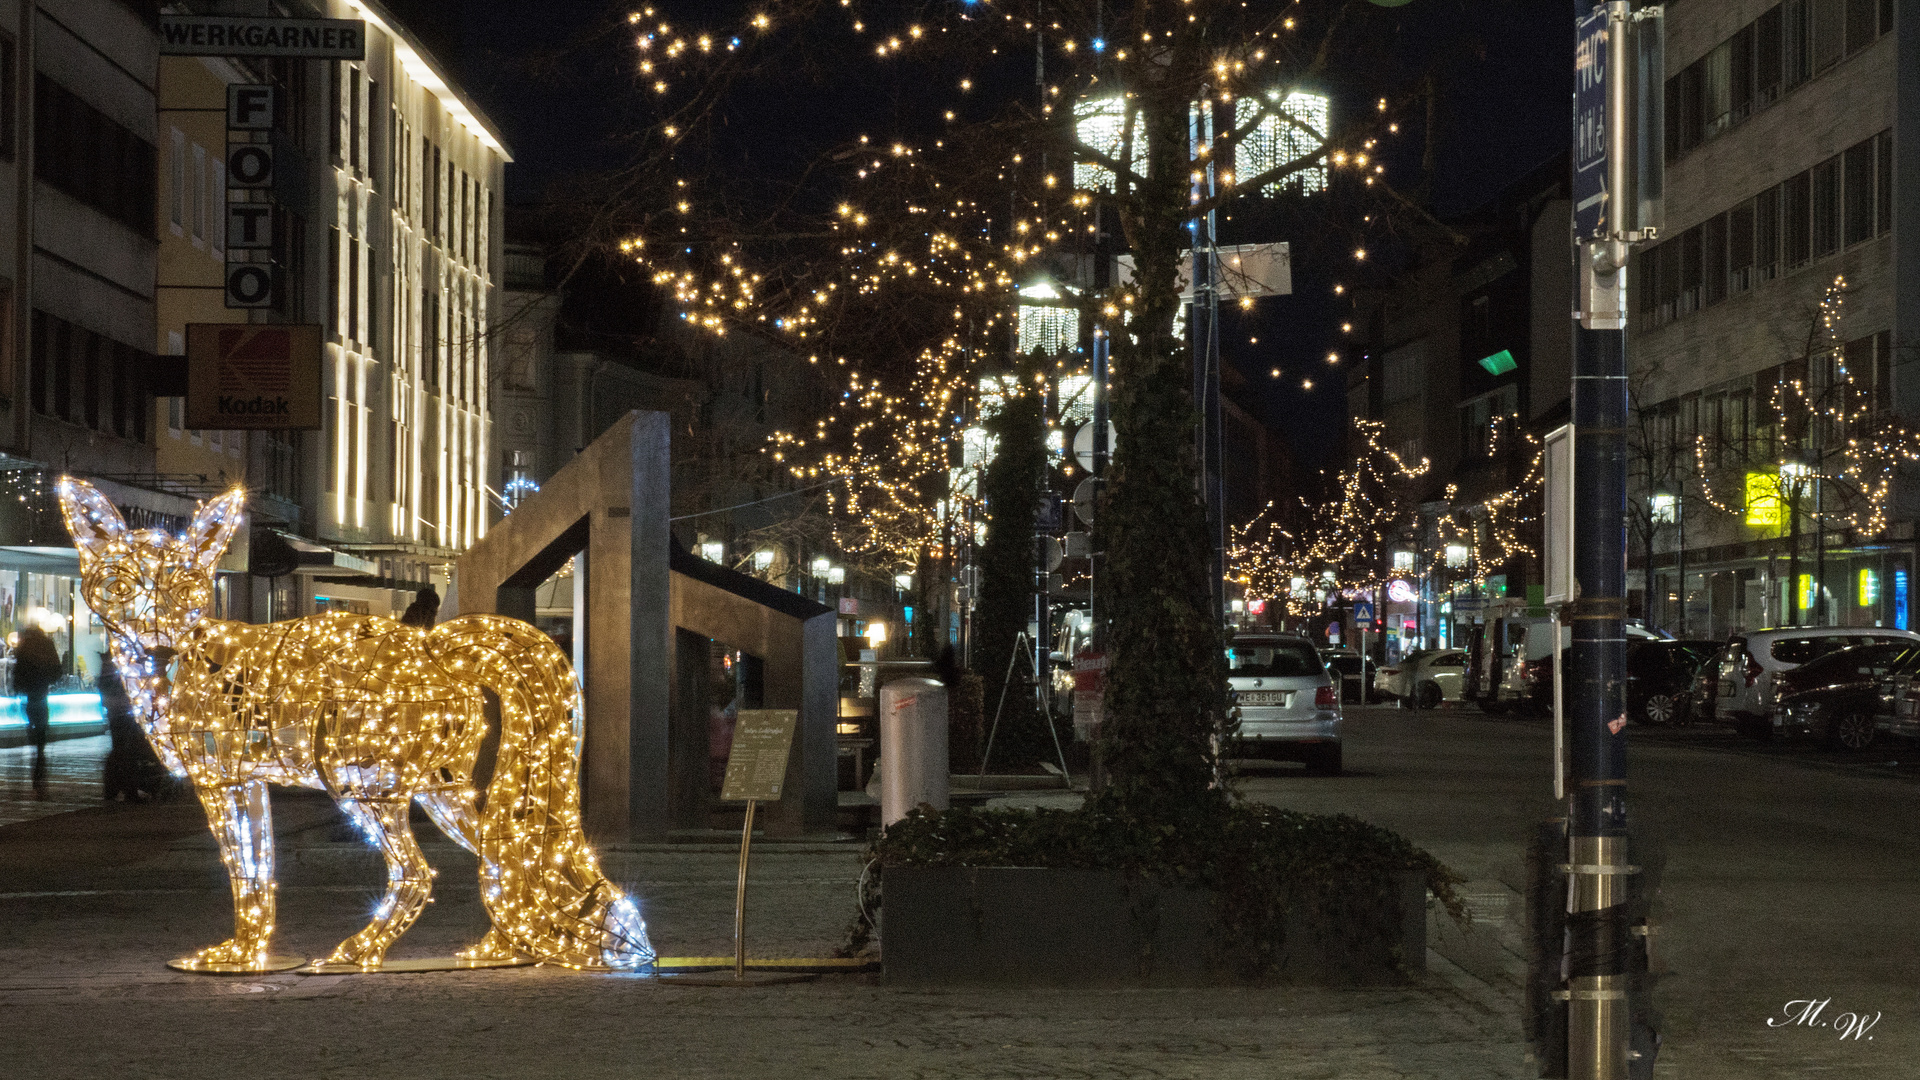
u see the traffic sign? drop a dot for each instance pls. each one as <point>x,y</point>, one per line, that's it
<point>1083,445</point>
<point>1363,612</point>
<point>1083,496</point>
<point>1590,162</point>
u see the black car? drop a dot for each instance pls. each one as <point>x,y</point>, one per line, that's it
<point>1660,678</point>
<point>1839,698</point>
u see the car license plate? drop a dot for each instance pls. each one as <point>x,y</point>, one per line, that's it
<point>1265,697</point>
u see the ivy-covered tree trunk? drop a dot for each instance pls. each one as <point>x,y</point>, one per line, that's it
<point>1011,490</point>
<point>1166,698</point>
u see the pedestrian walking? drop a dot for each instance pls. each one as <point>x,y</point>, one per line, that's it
<point>36,667</point>
<point>424,611</point>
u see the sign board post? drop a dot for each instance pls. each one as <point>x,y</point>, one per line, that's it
<point>1618,113</point>
<point>756,772</point>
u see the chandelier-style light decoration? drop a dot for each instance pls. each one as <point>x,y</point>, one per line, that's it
<point>378,715</point>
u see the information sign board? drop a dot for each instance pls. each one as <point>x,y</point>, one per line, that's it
<point>1590,195</point>
<point>248,377</point>
<point>757,764</point>
<point>287,39</point>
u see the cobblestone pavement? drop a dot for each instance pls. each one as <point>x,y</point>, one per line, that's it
<point>73,779</point>
<point>93,903</point>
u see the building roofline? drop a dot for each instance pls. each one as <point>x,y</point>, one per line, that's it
<point>422,67</point>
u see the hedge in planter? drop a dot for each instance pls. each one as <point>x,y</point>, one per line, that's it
<point>1254,875</point>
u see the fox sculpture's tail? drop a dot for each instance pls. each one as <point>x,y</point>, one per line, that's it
<point>539,881</point>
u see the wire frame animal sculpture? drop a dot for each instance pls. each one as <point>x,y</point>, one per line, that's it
<point>377,714</point>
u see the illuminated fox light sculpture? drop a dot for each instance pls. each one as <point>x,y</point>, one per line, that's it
<point>378,715</point>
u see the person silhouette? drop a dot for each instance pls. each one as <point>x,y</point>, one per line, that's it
<point>36,667</point>
<point>424,611</point>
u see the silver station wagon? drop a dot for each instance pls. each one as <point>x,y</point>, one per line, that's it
<point>1289,708</point>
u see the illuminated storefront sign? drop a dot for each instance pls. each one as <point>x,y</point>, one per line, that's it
<point>1763,500</point>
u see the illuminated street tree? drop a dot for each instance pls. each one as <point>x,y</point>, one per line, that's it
<point>1825,452</point>
<point>1337,544</point>
<point>1149,117</point>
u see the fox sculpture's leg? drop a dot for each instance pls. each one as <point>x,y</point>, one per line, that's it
<point>409,879</point>
<point>242,820</point>
<point>456,816</point>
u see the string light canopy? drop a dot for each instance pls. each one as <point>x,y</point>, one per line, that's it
<point>378,715</point>
<point>942,221</point>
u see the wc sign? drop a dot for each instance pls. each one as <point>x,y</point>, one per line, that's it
<point>253,377</point>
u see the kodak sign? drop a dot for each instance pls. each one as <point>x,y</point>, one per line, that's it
<point>253,377</point>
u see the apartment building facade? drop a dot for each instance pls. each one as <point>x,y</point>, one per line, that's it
<point>388,225</point>
<point>1773,325</point>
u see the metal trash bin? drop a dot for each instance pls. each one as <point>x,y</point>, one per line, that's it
<point>913,747</point>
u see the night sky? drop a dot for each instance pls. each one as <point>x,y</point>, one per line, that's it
<point>556,79</point>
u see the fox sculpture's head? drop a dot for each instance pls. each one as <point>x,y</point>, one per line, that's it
<point>149,587</point>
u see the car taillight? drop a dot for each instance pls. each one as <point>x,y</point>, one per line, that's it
<point>1753,670</point>
<point>1325,698</point>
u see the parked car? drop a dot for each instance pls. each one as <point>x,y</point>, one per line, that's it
<point>1843,697</point>
<point>1353,673</point>
<point>1529,680</point>
<point>1289,708</point>
<point>1426,677</point>
<point>1660,678</point>
<point>1744,692</point>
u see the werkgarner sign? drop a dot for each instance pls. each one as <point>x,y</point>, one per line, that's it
<point>252,376</point>
<point>292,39</point>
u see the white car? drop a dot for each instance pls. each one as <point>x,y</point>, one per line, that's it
<point>1744,695</point>
<point>1424,678</point>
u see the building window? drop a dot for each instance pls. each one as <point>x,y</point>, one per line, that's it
<point>1750,70</point>
<point>335,240</point>
<point>197,195</point>
<point>1826,207</point>
<point>1796,197</point>
<point>337,141</point>
<point>1713,260</point>
<point>81,152</point>
<point>177,173</point>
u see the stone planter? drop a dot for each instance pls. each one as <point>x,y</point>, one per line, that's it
<point>1093,928</point>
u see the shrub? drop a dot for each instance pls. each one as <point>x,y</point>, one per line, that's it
<point>1257,860</point>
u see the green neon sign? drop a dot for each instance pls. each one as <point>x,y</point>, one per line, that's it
<point>1500,363</point>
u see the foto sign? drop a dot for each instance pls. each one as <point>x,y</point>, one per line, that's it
<point>287,39</point>
<point>253,377</point>
<point>250,107</point>
<point>1590,90</point>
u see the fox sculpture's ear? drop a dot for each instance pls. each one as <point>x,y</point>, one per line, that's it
<point>213,527</point>
<point>91,519</point>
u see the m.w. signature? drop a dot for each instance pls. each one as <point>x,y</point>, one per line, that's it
<point>1807,1012</point>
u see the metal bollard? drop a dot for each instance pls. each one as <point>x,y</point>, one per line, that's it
<point>913,747</point>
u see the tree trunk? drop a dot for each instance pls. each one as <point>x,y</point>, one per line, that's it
<point>1166,699</point>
